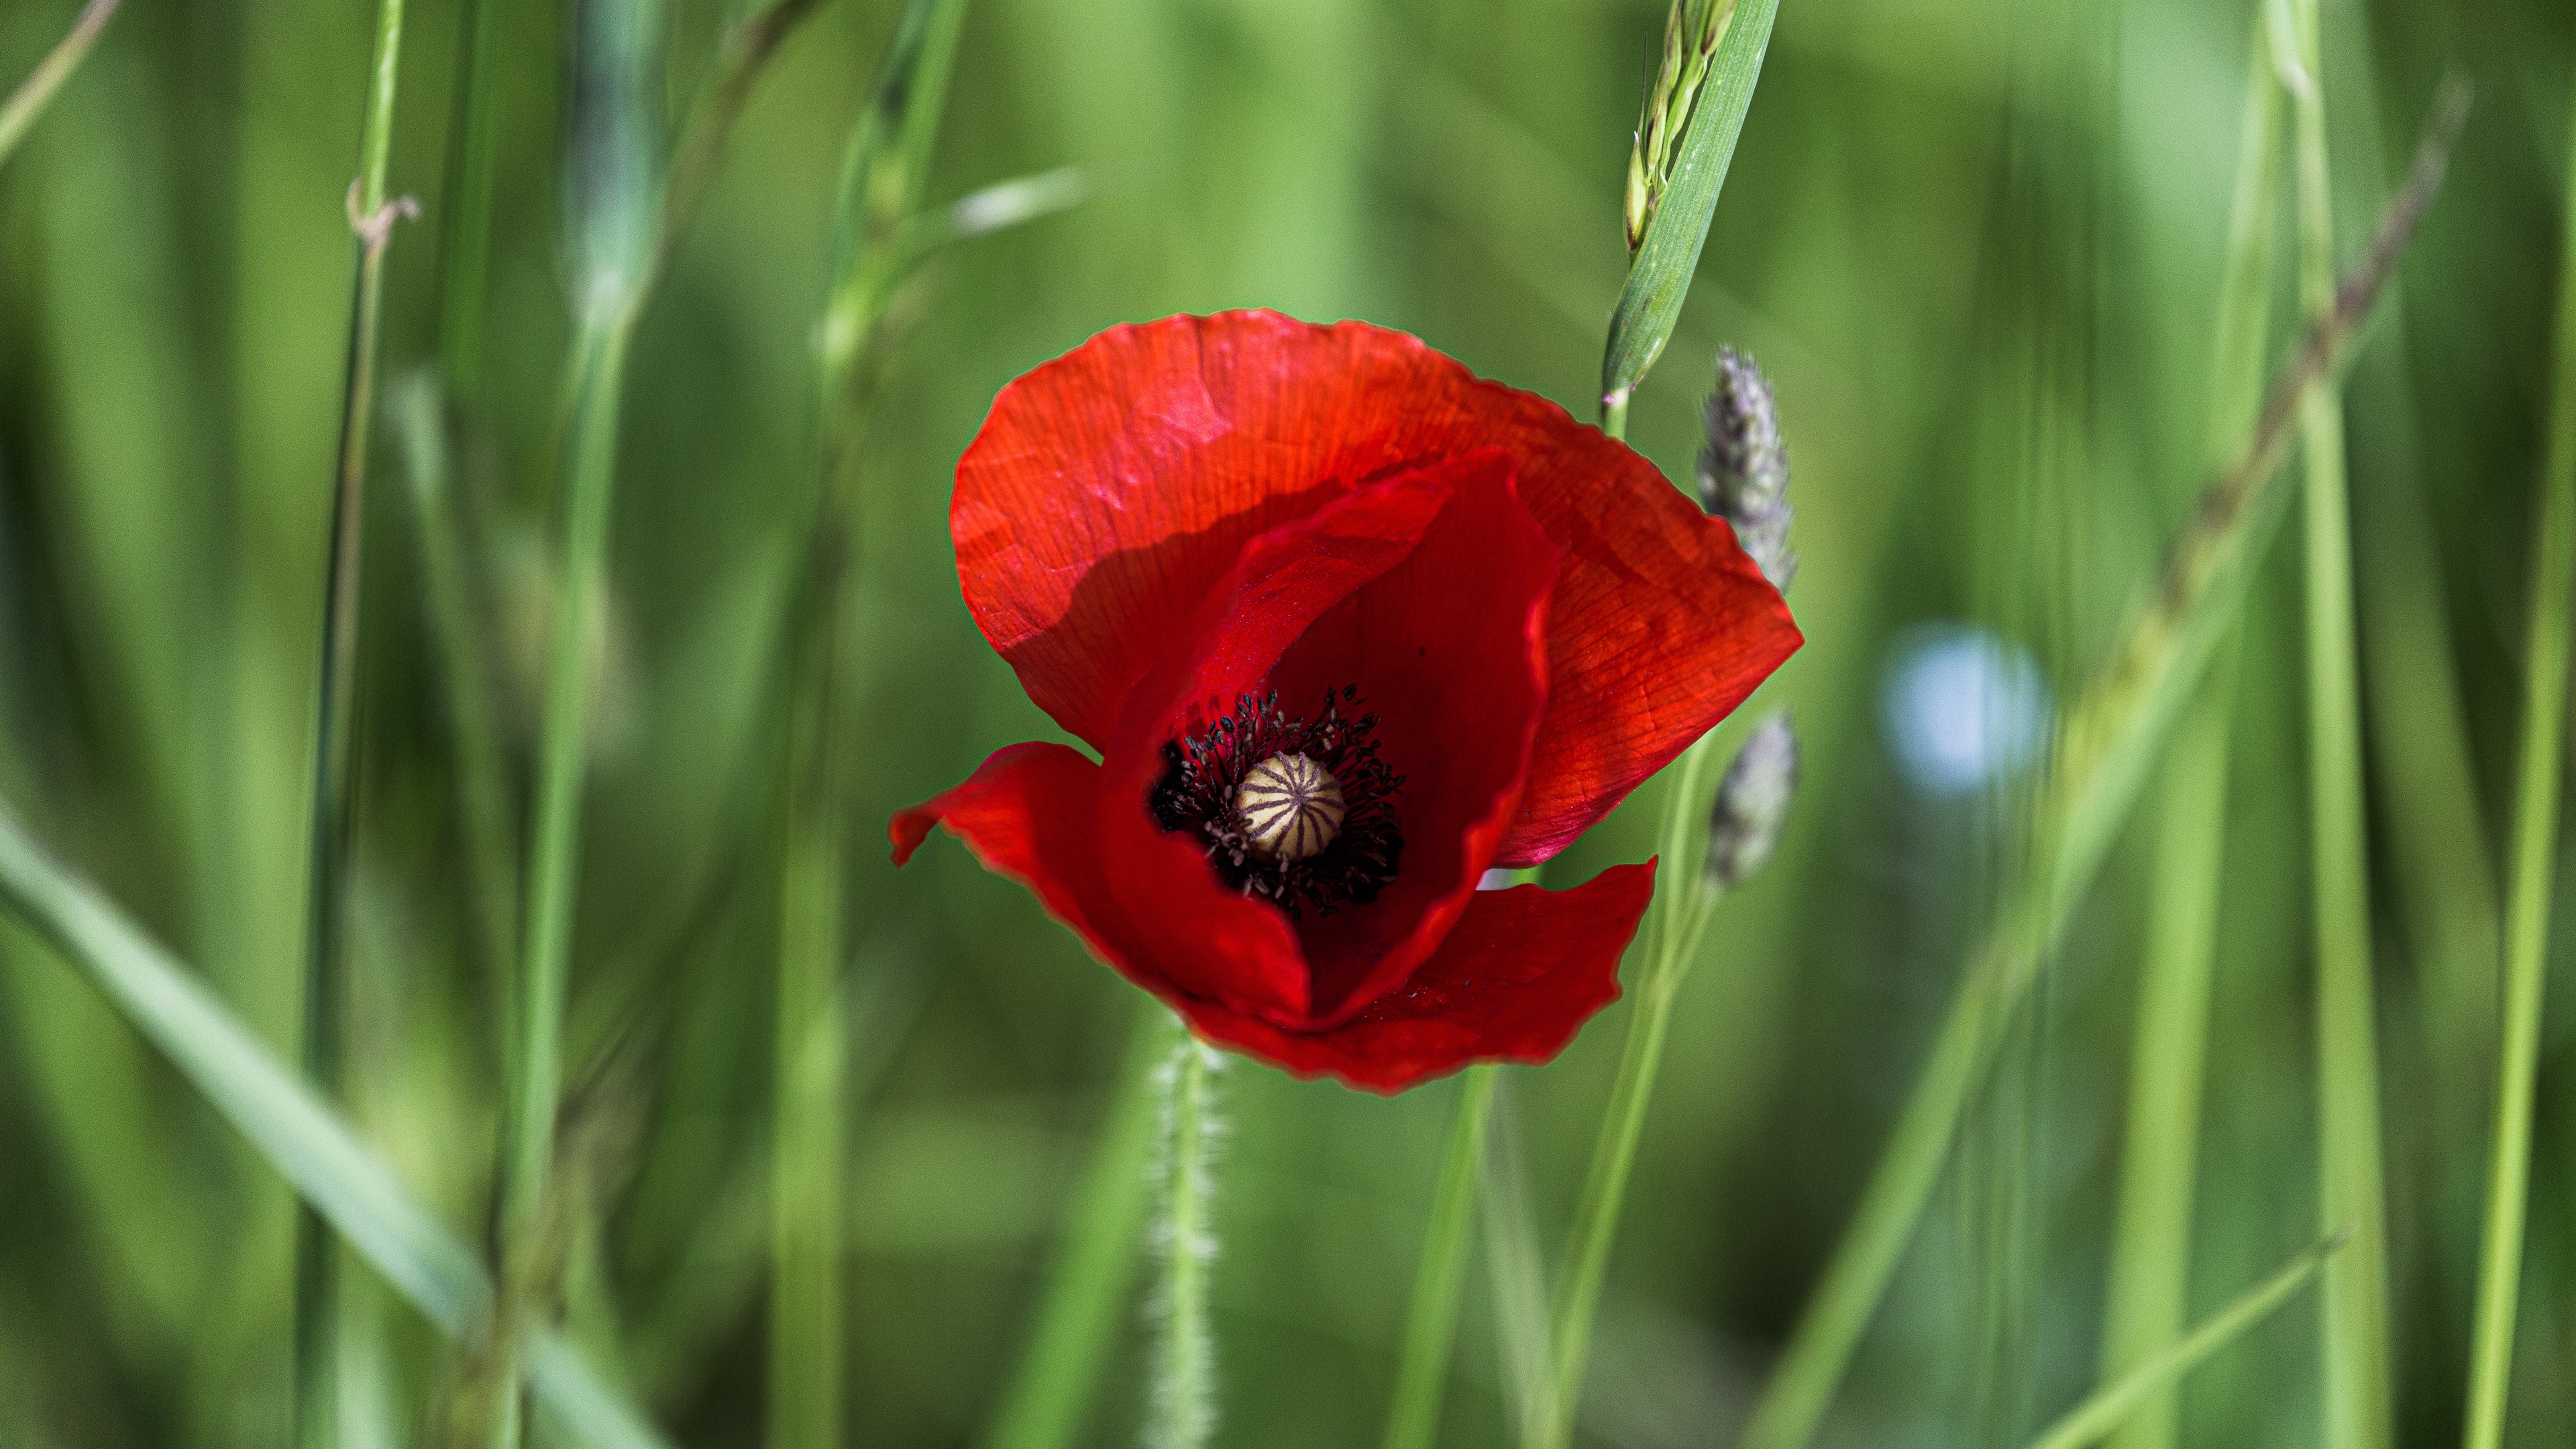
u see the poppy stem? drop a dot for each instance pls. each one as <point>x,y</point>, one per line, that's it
<point>1182,1411</point>
<point>1432,1325</point>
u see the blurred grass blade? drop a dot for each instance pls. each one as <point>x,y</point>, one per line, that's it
<point>2351,1188</point>
<point>333,804</point>
<point>1660,274</point>
<point>2094,1419</point>
<point>2535,873</point>
<point>460,641</point>
<point>300,1137</point>
<point>995,208</point>
<point>2151,1248</point>
<point>748,45</point>
<point>1087,1290</point>
<point>888,167</point>
<point>27,102</point>
<point>1422,1374</point>
<point>2105,752</point>
<point>1516,1268</point>
<point>465,243</point>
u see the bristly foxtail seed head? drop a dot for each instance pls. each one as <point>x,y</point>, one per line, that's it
<point>1744,469</point>
<point>1752,803</point>
<point>1291,807</point>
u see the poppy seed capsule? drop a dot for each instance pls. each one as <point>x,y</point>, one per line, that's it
<point>1291,807</point>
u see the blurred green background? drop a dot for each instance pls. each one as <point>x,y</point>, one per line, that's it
<point>1977,248</point>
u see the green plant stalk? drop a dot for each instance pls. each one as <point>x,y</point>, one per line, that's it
<point>459,636</point>
<point>317,1335</point>
<point>1087,1291</point>
<point>807,1175</point>
<point>2094,1419</point>
<point>2351,1188</point>
<point>2150,1278</point>
<point>2150,1275</point>
<point>1413,1421</point>
<point>293,1129</point>
<point>18,114</point>
<point>2105,752</point>
<point>465,248</point>
<point>1659,276</point>
<point>888,165</point>
<point>1181,1413</point>
<point>554,863</point>
<point>2535,869</point>
<point>1679,916</point>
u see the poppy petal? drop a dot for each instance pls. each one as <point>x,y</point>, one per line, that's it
<point>1112,488</point>
<point>1514,980</point>
<point>1449,652</point>
<point>1026,813</point>
<point>1217,942</point>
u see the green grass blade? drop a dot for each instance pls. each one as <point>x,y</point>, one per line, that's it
<point>2094,1419</point>
<point>27,102</point>
<point>334,803</point>
<point>2351,1187</point>
<point>2151,1244</point>
<point>1087,1290</point>
<point>1422,1374</point>
<point>890,153</point>
<point>460,639</point>
<point>293,1130</point>
<point>465,243</point>
<point>1650,304</point>
<point>2110,742</point>
<point>2535,851</point>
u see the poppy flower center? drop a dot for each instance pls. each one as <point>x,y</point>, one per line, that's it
<point>1291,807</point>
<point>1298,812</point>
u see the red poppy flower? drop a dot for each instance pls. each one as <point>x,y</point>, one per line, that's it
<point>1347,626</point>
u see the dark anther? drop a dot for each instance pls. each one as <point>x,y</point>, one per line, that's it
<point>1203,772</point>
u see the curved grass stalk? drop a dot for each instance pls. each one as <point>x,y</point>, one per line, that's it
<point>372,217</point>
<point>2535,842</point>
<point>18,114</point>
<point>2094,1419</point>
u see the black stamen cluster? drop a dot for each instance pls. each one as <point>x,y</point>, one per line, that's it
<point>1203,770</point>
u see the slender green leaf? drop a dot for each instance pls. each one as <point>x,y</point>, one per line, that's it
<point>2535,873</point>
<point>303,1139</point>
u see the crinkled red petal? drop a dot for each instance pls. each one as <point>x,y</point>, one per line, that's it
<point>1513,981</point>
<point>1350,555</point>
<point>1520,974</point>
<point>1448,650</point>
<point>1113,487</point>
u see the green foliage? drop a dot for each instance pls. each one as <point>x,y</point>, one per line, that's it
<point>1954,237</point>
